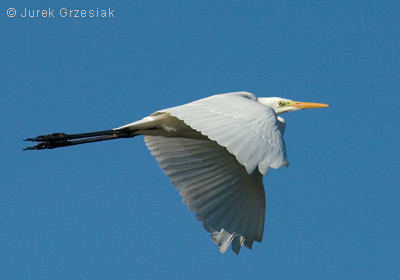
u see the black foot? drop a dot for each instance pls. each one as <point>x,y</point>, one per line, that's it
<point>49,141</point>
<point>49,137</point>
<point>56,140</point>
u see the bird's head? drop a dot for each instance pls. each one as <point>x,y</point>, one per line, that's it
<point>282,105</point>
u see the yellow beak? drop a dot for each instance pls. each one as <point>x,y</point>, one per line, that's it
<point>307,105</point>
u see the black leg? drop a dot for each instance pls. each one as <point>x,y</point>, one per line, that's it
<point>56,140</point>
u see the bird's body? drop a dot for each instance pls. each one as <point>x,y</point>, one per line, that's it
<point>216,151</point>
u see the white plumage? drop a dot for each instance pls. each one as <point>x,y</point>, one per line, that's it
<point>227,195</point>
<point>215,151</point>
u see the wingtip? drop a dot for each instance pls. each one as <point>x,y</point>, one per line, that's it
<point>225,239</point>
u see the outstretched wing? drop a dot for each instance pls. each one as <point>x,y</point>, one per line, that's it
<point>247,129</point>
<point>229,201</point>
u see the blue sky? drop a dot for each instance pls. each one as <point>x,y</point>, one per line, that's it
<point>107,211</point>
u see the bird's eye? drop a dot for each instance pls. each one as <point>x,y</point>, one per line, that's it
<point>281,103</point>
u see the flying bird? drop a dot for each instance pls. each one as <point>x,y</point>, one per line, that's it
<point>216,151</point>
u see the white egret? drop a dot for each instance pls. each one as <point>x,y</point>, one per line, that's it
<point>216,151</point>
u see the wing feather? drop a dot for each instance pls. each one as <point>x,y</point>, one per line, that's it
<point>239,123</point>
<point>223,195</point>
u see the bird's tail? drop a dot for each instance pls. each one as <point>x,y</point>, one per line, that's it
<point>56,140</point>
